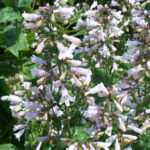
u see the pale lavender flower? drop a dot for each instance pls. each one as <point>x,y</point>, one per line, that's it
<point>131,137</point>
<point>95,3</point>
<point>111,139</point>
<point>140,21</point>
<point>67,12</point>
<point>147,111</point>
<point>91,13</point>
<point>29,25</point>
<point>108,130</point>
<point>93,111</point>
<point>114,3</point>
<point>19,134</point>
<point>104,51</point>
<point>91,23</point>
<point>135,72</point>
<point>30,17</point>
<point>42,138</point>
<point>134,43</point>
<point>117,145</point>
<point>80,24</point>
<point>148,65</point>
<point>84,147</point>
<point>119,107</point>
<point>32,105</point>
<point>26,85</point>
<point>76,81</point>
<point>82,71</point>
<point>40,47</point>
<point>75,63</point>
<point>4,98</point>
<point>18,127</point>
<point>65,52</point>
<point>35,90</point>
<point>122,125</point>
<point>49,95</point>
<point>15,99</point>
<point>39,146</point>
<point>73,147</point>
<point>72,39</point>
<point>91,147</point>
<point>99,88</point>
<point>115,67</point>
<point>135,129</point>
<point>39,72</point>
<point>132,2</point>
<point>15,108</point>
<point>125,99</point>
<point>32,115</point>
<point>117,15</point>
<point>115,31</point>
<point>55,70</point>
<point>102,145</point>
<point>66,98</point>
<point>38,60</point>
<point>85,79</point>
<point>20,92</point>
<point>56,85</point>
<point>128,148</point>
<point>55,110</point>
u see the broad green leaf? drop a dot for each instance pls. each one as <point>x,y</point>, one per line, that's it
<point>8,14</point>
<point>8,147</point>
<point>20,45</point>
<point>24,3</point>
<point>9,36</point>
<point>11,43</point>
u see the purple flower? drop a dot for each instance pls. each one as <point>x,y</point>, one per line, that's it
<point>38,60</point>
<point>39,72</point>
<point>30,17</point>
<point>32,115</point>
<point>42,138</point>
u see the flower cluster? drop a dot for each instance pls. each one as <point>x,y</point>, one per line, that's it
<point>83,80</point>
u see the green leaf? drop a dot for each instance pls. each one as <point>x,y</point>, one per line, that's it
<point>82,32</point>
<point>27,70</point>
<point>20,45</point>
<point>24,3</point>
<point>61,145</point>
<point>6,69</point>
<point>80,135</point>
<point>30,37</point>
<point>8,147</point>
<point>11,43</point>
<point>9,36</point>
<point>8,14</point>
<point>7,2</point>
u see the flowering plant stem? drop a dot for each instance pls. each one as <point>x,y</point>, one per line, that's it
<point>67,121</point>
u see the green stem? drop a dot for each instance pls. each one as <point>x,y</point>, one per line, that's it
<point>34,1</point>
<point>145,92</point>
<point>17,29</point>
<point>67,121</point>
